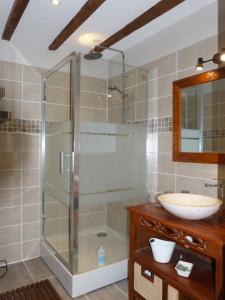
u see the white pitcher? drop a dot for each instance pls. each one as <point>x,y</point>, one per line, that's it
<point>162,250</point>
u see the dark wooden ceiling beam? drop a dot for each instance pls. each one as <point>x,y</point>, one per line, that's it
<point>151,14</point>
<point>85,12</point>
<point>15,15</point>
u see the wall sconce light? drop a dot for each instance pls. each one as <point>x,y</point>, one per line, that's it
<point>217,59</point>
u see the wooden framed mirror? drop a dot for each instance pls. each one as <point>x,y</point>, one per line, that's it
<point>199,118</point>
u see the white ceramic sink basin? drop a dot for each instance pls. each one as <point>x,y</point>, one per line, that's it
<point>190,206</point>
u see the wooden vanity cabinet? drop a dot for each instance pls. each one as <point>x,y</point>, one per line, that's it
<point>149,280</point>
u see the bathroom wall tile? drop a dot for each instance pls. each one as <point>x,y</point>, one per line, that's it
<point>152,160</point>
<point>141,92</point>
<point>165,107</point>
<point>10,160</point>
<point>152,108</point>
<point>187,57</point>
<point>31,213</point>
<point>165,85</point>
<point>142,75</point>
<point>166,183</point>
<point>31,231</point>
<point>10,179</point>
<point>57,95</point>
<point>15,107</point>
<point>60,78</point>
<point>31,195</point>
<point>118,223</point>
<point>30,142</point>
<point>153,181</point>
<point>206,171</point>
<point>31,92</point>
<point>131,113</point>
<point>165,142</point>
<point>57,113</point>
<point>141,111</point>
<point>115,101</point>
<point>131,77</point>
<point>92,220</point>
<point>92,207</point>
<point>10,71</point>
<point>11,253</point>
<point>93,115</point>
<point>32,74</point>
<point>10,235</point>
<point>31,249</point>
<point>10,216</point>
<point>10,197</point>
<point>93,84</point>
<point>161,67</point>
<point>13,90</point>
<point>195,186</point>
<point>10,141</point>
<point>165,163</point>
<point>93,100</point>
<point>30,178</point>
<point>115,115</point>
<point>30,160</point>
<point>31,111</point>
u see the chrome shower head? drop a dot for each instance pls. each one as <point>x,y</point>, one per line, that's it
<point>92,55</point>
<point>115,88</point>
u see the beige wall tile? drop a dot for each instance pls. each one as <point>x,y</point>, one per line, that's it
<point>30,142</point>
<point>93,84</point>
<point>92,220</point>
<point>141,92</point>
<point>161,67</point>
<point>115,115</point>
<point>30,178</point>
<point>165,142</point>
<point>31,92</point>
<point>30,160</point>
<point>57,113</point>
<point>10,71</point>
<point>11,253</point>
<point>13,90</point>
<point>142,75</point>
<point>130,79</point>
<point>10,216</point>
<point>31,231</point>
<point>31,111</point>
<point>187,57</point>
<point>10,235</point>
<point>31,213</point>
<point>141,111</point>
<point>10,197</point>
<point>93,100</point>
<point>165,107</point>
<point>93,115</point>
<point>15,107</point>
<point>10,160</point>
<point>207,171</point>
<point>31,195</point>
<point>165,163</point>
<point>195,186</point>
<point>31,249</point>
<point>166,183</point>
<point>10,141</point>
<point>10,179</point>
<point>32,74</point>
<point>57,95</point>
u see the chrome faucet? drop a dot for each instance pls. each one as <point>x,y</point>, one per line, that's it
<point>220,185</point>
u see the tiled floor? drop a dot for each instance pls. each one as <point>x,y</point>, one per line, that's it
<point>33,270</point>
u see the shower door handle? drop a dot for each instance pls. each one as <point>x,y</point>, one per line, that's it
<point>61,163</point>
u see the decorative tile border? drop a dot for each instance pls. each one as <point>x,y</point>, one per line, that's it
<point>214,134</point>
<point>18,125</point>
<point>161,124</point>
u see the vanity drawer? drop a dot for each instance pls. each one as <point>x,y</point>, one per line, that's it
<point>150,287</point>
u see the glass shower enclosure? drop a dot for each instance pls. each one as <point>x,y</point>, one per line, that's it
<point>93,166</point>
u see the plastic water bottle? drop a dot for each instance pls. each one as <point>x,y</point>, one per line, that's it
<point>101,256</point>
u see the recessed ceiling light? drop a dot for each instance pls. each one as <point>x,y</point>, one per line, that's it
<point>56,2</point>
<point>89,39</point>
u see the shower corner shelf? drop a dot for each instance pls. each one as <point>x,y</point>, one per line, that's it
<point>206,252</point>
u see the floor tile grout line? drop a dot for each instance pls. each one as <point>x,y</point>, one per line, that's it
<point>120,289</point>
<point>29,272</point>
<point>85,296</point>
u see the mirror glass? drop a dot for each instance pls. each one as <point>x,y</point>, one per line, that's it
<point>203,117</point>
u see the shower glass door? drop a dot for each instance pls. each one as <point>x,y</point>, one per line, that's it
<point>58,158</point>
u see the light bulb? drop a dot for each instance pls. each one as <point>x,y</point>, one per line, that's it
<point>199,67</point>
<point>56,2</point>
<point>222,55</point>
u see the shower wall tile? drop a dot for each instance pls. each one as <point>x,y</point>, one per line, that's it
<point>93,84</point>
<point>93,100</point>
<point>92,220</point>
<point>10,71</point>
<point>164,174</point>
<point>19,164</point>
<point>93,115</point>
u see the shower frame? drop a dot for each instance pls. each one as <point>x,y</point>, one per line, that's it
<point>74,60</point>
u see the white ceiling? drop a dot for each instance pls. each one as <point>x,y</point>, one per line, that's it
<point>42,22</point>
